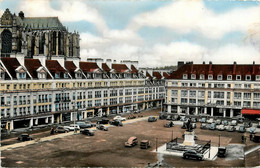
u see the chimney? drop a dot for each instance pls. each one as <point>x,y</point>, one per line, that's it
<point>19,57</point>
<point>253,72</point>
<point>41,58</point>
<point>210,66</point>
<point>109,63</point>
<point>180,63</point>
<point>234,67</point>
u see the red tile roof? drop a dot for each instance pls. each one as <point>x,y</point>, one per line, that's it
<point>134,70</point>
<point>215,70</point>
<point>148,75</point>
<point>32,65</point>
<point>105,67</point>
<point>157,75</point>
<point>166,75</point>
<point>71,67</point>
<point>11,64</point>
<point>88,66</point>
<point>119,67</point>
<point>54,67</point>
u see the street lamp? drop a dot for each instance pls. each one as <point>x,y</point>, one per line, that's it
<point>74,117</point>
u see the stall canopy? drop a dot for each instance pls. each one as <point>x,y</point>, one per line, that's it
<point>251,111</point>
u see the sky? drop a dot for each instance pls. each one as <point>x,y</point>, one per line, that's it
<point>156,32</point>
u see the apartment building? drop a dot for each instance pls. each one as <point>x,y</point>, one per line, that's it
<point>214,89</point>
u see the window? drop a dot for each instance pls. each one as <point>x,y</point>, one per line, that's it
<point>57,75</point>
<point>248,77</point>
<point>97,94</point>
<point>184,101</point>
<point>247,95</point>
<point>174,93</point>
<point>201,94</point>
<point>22,75</point>
<point>193,76</point>
<point>229,77</point>
<point>219,95</point>
<point>192,93</point>
<point>237,95</point>
<point>185,76</point>
<point>238,77</point>
<point>66,76</point>
<point>41,75</point>
<point>210,77</point>
<point>202,76</point>
<point>184,93</point>
<point>257,77</point>
<point>219,77</point>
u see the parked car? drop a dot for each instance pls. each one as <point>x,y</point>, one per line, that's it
<point>182,118</point>
<point>221,127</point>
<point>193,125</point>
<point>218,121</point>
<point>90,124</point>
<point>233,123</point>
<point>203,120</point>
<point>131,117</point>
<point>83,125</point>
<point>193,120</point>
<point>132,141</point>
<point>102,127</point>
<point>191,154</point>
<point>248,124</point>
<point>231,128</point>
<point>163,116</point>
<point>72,126</point>
<point>119,118</point>
<point>61,129</point>
<point>87,132</point>
<point>24,137</point>
<point>152,119</point>
<point>169,124</point>
<point>242,129</point>
<point>210,120</point>
<point>240,119</point>
<point>103,121</point>
<point>203,126</point>
<point>225,122</point>
<point>116,123</point>
<point>144,144</point>
<point>169,117</point>
<point>252,130</point>
<point>212,126</point>
<point>175,117</point>
<point>222,151</point>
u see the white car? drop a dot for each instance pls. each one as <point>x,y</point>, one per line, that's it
<point>119,118</point>
<point>211,120</point>
<point>71,127</point>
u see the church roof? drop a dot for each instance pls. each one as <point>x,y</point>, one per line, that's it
<point>52,23</point>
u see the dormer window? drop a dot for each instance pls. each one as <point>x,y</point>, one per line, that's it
<point>22,75</point>
<point>127,75</point>
<point>248,77</point>
<point>113,76</point>
<point>202,76</point>
<point>229,77</point>
<point>257,77</point>
<point>238,77</point>
<point>185,76</point>
<point>2,75</point>
<point>66,76</point>
<point>210,77</point>
<point>57,75</point>
<point>42,75</point>
<point>98,75</point>
<point>193,76</point>
<point>78,75</point>
<point>219,77</point>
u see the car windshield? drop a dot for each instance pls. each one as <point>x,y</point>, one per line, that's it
<point>252,128</point>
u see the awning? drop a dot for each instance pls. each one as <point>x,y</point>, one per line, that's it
<point>250,111</point>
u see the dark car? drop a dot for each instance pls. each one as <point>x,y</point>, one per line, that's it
<point>24,137</point>
<point>103,121</point>
<point>222,152</point>
<point>83,125</point>
<point>242,129</point>
<point>169,124</point>
<point>203,126</point>
<point>116,123</point>
<point>144,144</point>
<point>163,116</point>
<point>212,126</point>
<point>248,124</point>
<point>152,119</point>
<point>191,154</point>
<point>231,128</point>
<point>102,127</point>
<point>256,138</point>
<point>87,132</point>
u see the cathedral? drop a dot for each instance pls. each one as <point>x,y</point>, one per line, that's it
<point>34,36</point>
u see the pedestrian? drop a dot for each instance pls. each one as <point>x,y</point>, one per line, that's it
<point>251,137</point>
<point>243,138</point>
<point>52,131</point>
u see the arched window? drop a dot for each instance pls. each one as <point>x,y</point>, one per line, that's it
<point>42,42</point>
<point>59,43</point>
<point>6,42</point>
<point>54,43</point>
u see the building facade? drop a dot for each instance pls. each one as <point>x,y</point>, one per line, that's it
<point>215,90</point>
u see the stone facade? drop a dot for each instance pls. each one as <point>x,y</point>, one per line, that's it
<point>34,36</point>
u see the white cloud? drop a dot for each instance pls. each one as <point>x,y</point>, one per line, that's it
<point>69,11</point>
<point>187,16</point>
